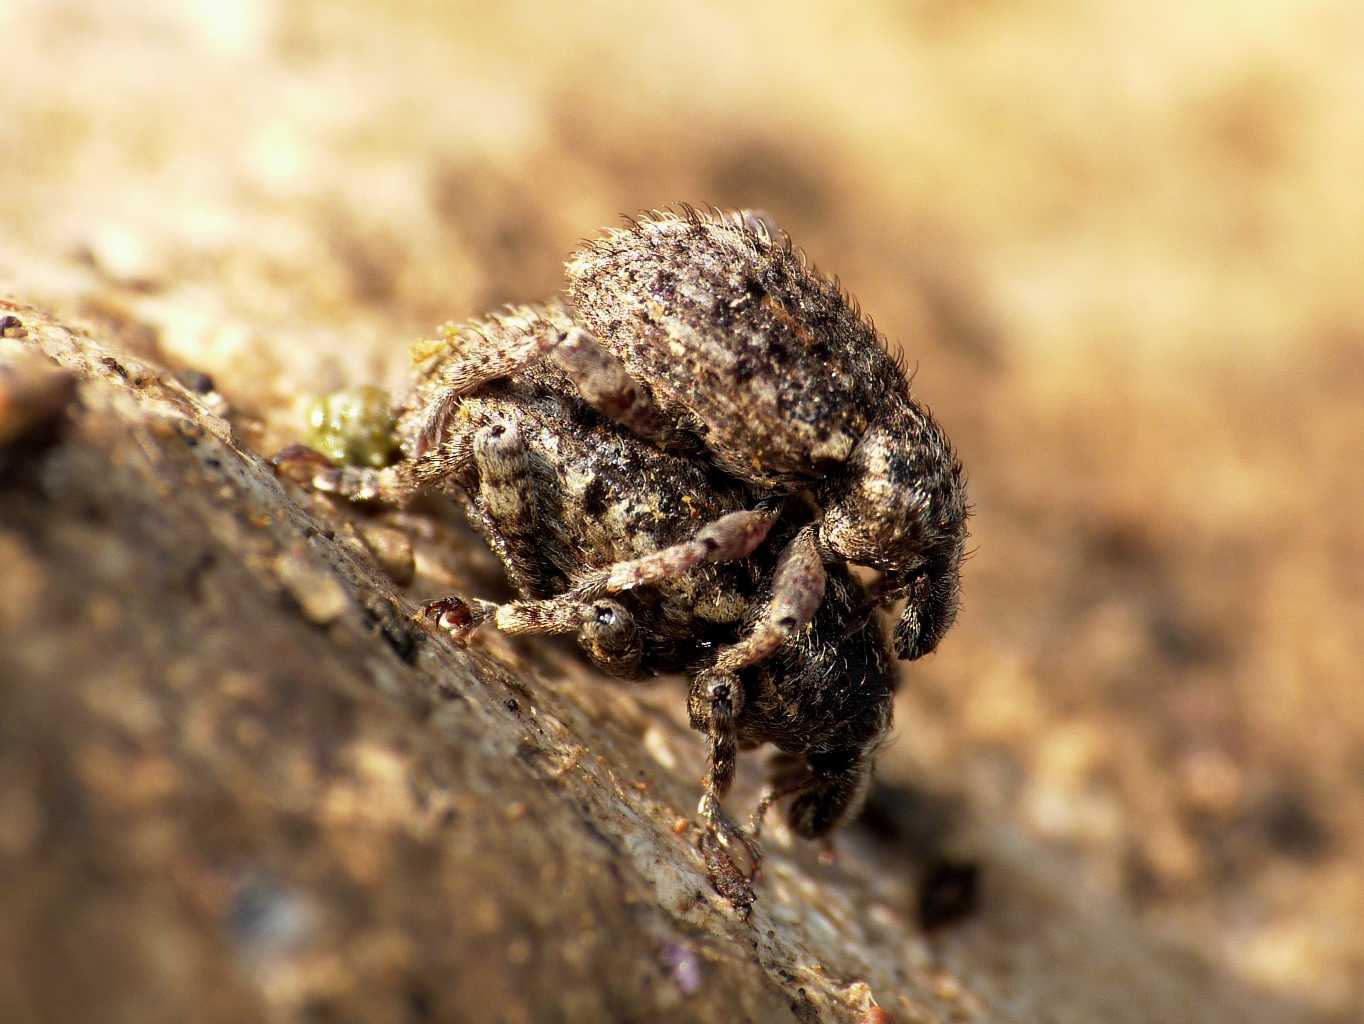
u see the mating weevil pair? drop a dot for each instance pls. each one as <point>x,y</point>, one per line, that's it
<point>677,463</point>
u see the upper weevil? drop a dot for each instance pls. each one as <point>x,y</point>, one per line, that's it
<point>713,325</point>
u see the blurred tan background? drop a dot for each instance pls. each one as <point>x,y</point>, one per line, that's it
<point>1121,241</point>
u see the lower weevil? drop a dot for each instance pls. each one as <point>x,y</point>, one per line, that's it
<point>658,561</point>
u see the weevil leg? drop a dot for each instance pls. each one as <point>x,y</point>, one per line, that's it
<point>732,858</point>
<point>836,791</point>
<point>605,385</point>
<point>395,485</point>
<point>717,694</point>
<point>727,872</point>
<point>485,357</point>
<point>609,637</point>
<point>600,378</point>
<point>829,788</point>
<point>732,536</point>
<point>606,629</point>
<point>507,503</point>
<point>461,617</point>
<point>797,591</point>
<point>714,703</point>
<point>787,775</point>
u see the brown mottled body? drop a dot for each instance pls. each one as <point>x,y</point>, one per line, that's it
<point>677,466</point>
<point>824,698</point>
<point>737,338</point>
<point>790,388</point>
<point>657,559</point>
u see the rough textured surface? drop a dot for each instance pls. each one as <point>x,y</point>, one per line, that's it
<point>789,386</point>
<point>769,362</point>
<point>238,778</point>
<point>1118,242</point>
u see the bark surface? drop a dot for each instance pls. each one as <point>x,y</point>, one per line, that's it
<point>239,780</point>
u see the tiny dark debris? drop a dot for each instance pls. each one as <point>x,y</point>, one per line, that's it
<point>917,820</point>
<point>420,1000</point>
<point>949,891</point>
<point>196,380</point>
<point>113,365</point>
<point>33,396</point>
<point>396,631</point>
<point>1291,825</point>
<point>803,1009</point>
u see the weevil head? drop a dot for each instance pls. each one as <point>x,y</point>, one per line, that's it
<point>899,505</point>
<point>932,596</point>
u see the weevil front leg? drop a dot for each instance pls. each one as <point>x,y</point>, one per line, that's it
<point>507,503</point>
<point>730,537</point>
<point>601,379</point>
<point>797,592</point>
<point>605,629</point>
<point>605,385</point>
<point>787,775</point>
<point>732,858</point>
<point>716,702</point>
<point>717,695</point>
<point>485,355</point>
<point>396,485</point>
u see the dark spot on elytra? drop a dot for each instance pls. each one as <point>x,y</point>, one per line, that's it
<point>594,497</point>
<point>900,469</point>
<point>777,352</point>
<point>665,285</point>
<point>721,313</point>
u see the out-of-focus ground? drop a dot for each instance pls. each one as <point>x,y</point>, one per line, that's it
<point>1121,241</point>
